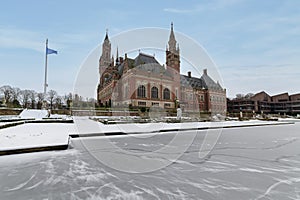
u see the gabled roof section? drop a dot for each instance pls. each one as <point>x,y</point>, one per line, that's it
<point>193,82</point>
<point>297,94</point>
<point>282,94</point>
<point>144,59</point>
<point>262,92</point>
<point>131,63</point>
<point>209,83</point>
<point>261,96</point>
<point>154,68</point>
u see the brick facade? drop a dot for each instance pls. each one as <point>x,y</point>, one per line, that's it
<point>144,82</point>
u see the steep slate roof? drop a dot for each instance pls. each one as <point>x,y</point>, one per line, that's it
<point>154,68</point>
<point>121,68</point>
<point>205,82</point>
<point>191,82</point>
<point>144,59</point>
<point>148,63</point>
<point>209,83</point>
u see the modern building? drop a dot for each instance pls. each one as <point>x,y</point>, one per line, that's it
<point>264,103</point>
<point>142,82</point>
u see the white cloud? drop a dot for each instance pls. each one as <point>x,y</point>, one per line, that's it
<point>16,38</point>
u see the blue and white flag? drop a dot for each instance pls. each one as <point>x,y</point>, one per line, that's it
<point>50,51</point>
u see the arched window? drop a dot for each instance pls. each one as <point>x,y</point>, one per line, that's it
<point>141,91</point>
<point>154,92</point>
<point>106,77</point>
<point>166,93</point>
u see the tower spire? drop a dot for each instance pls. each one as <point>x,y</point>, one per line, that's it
<point>106,35</point>
<point>172,52</point>
<point>117,57</point>
<point>105,58</point>
<point>172,40</point>
<point>117,52</point>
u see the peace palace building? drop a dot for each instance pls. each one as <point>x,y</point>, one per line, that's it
<point>142,82</point>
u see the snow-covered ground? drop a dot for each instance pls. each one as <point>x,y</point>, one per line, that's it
<point>288,120</point>
<point>34,135</point>
<point>34,113</point>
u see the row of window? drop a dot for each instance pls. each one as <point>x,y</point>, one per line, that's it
<point>143,103</point>
<point>218,107</point>
<point>141,92</point>
<point>192,97</point>
<point>217,99</point>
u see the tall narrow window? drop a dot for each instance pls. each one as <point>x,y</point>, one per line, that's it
<point>166,93</point>
<point>141,91</point>
<point>154,92</point>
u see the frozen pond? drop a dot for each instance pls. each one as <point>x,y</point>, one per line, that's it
<point>246,163</point>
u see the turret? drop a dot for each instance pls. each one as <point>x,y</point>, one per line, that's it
<point>172,52</point>
<point>105,59</point>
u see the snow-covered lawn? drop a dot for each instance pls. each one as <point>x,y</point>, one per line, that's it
<point>35,135</point>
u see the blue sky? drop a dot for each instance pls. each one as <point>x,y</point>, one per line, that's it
<point>255,44</point>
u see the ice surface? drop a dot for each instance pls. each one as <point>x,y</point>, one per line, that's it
<point>85,125</point>
<point>246,163</point>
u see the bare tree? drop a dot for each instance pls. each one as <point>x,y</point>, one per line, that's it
<point>68,99</point>
<point>40,99</point>
<point>25,97</point>
<point>32,98</point>
<point>51,96</point>
<point>249,95</point>
<point>58,102</point>
<point>92,102</point>
<point>16,92</point>
<point>7,91</point>
<point>240,96</point>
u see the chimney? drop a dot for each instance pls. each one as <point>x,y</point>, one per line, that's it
<point>205,71</point>
<point>189,74</point>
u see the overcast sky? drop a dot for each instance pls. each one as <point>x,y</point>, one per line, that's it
<point>254,43</point>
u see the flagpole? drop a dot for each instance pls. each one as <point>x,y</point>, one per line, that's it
<point>46,62</point>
